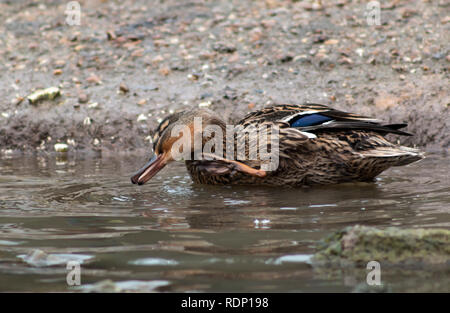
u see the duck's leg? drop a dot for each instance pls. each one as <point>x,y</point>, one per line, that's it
<point>219,166</point>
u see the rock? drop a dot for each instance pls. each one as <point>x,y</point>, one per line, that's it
<point>164,71</point>
<point>345,61</point>
<point>141,118</point>
<point>320,39</point>
<point>18,100</point>
<point>358,245</point>
<point>142,102</point>
<point>331,42</point>
<point>123,88</point>
<point>83,98</point>
<point>204,104</point>
<point>407,12</point>
<point>61,147</point>
<point>224,48</point>
<point>39,258</point>
<point>94,79</point>
<point>44,94</point>
<point>111,35</point>
<point>286,58</point>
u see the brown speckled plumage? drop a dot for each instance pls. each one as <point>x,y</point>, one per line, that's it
<point>344,147</point>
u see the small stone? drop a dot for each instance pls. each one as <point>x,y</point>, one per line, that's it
<point>224,48</point>
<point>315,6</point>
<point>61,147</point>
<point>204,104</point>
<point>406,13</point>
<point>18,100</point>
<point>57,72</point>
<point>142,102</point>
<point>360,52</point>
<point>94,79</point>
<point>93,105</point>
<point>141,118</point>
<point>60,63</point>
<point>331,42</point>
<point>345,60</point>
<point>157,59</point>
<point>320,39</point>
<point>83,98</point>
<point>111,35</point>
<point>302,58</point>
<point>286,58</point>
<point>123,88</point>
<point>164,71</point>
<point>44,94</point>
<point>193,77</point>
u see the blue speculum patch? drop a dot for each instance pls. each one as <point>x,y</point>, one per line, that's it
<point>310,120</point>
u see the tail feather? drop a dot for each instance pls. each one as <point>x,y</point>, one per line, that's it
<point>397,155</point>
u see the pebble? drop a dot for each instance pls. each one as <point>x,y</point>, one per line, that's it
<point>141,118</point>
<point>83,98</point>
<point>224,48</point>
<point>94,79</point>
<point>44,94</point>
<point>204,104</point>
<point>123,88</point>
<point>164,71</point>
<point>93,105</point>
<point>142,102</point>
<point>61,147</point>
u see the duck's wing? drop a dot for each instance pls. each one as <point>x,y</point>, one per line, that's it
<point>317,117</point>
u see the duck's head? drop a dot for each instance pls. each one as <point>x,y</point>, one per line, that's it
<point>168,133</point>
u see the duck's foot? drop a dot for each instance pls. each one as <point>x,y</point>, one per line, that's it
<point>217,165</point>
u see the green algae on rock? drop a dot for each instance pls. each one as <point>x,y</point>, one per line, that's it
<point>357,245</point>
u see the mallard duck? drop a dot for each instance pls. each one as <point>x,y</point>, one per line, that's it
<point>316,144</point>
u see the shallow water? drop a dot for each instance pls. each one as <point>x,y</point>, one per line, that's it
<point>172,235</point>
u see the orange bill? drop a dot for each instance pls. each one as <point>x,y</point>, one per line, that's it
<point>156,163</point>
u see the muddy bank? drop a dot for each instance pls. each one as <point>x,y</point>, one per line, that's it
<point>129,63</point>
